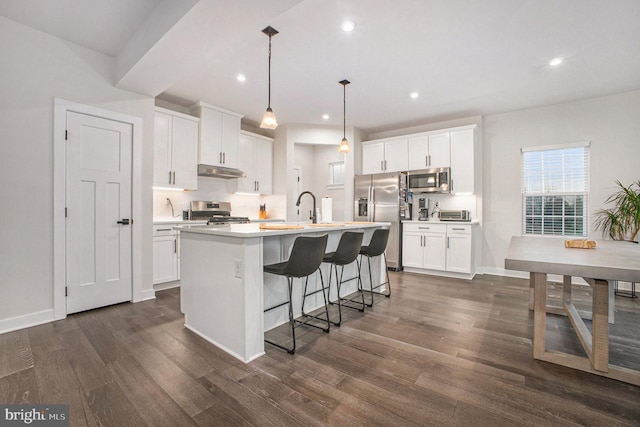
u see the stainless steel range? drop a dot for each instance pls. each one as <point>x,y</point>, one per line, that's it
<point>215,213</point>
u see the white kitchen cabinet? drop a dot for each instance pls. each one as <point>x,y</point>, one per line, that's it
<point>256,161</point>
<point>219,135</point>
<point>424,245</point>
<point>429,151</point>
<point>385,156</point>
<point>462,161</point>
<point>165,254</point>
<point>458,259</point>
<point>438,247</point>
<point>175,152</point>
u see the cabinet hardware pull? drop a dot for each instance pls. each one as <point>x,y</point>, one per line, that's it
<point>175,246</point>
<point>220,157</point>
<point>381,165</point>
<point>163,229</point>
<point>426,160</point>
<point>447,242</point>
<point>169,177</point>
<point>385,165</point>
<point>224,157</point>
<point>174,177</point>
<point>459,229</point>
<point>258,184</point>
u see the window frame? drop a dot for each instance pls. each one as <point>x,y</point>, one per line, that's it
<point>547,212</point>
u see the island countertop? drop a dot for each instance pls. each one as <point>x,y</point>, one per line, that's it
<point>254,230</point>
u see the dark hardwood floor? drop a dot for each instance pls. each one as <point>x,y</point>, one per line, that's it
<point>438,352</point>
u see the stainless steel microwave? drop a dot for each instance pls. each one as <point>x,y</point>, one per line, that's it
<point>436,180</point>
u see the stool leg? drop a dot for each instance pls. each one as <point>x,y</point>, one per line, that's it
<point>326,306</point>
<point>339,297</point>
<point>291,350</point>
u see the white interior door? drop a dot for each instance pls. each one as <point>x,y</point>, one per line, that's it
<point>98,196</point>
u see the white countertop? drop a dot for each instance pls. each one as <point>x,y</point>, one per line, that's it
<point>253,229</point>
<point>437,221</point>
<point>161,221</point>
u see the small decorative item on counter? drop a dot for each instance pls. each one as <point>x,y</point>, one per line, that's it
<point>263,212</point>
<point>580,244</point>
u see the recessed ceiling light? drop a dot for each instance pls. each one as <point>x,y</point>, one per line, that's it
<point>241,77</point>
<point>555,61</point>
<point>414,95</point>
<point>325,117</point>
<point>348,26</point>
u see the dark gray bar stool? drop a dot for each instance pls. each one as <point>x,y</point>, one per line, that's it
<point>306,256</point>
<point>346,253</point>
<point>376,247</point>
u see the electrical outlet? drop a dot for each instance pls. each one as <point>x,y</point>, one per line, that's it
<point>237,268</point>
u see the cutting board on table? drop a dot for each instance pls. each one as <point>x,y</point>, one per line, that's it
<point>264,226</point>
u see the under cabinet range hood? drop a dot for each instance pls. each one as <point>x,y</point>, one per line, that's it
<point>220,172</point>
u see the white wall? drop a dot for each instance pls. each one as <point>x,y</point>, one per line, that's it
<point>611,124</point>
<point>36,68</point>
<point>287,138</point>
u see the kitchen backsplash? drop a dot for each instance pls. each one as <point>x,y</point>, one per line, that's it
<point>215,189</point>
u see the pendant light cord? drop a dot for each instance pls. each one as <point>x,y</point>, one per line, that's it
<point>269,97</point>
<point>344,113</point>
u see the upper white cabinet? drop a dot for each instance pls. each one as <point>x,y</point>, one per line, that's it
<point>219,135</point>
<point>462,161</point>
<point>429,151</point>
<point>175,150</point>
<point>389,155</point>
<point>255,159</point>
<point>453,147</point>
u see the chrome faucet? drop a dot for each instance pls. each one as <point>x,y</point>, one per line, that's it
<point>313,218</point>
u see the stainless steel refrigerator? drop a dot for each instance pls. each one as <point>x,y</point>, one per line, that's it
<point>383,197</point>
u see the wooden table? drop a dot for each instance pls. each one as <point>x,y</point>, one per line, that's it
<point>599,267</point>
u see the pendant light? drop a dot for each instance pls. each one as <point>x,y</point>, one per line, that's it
<point>269,119</point>
<point>344,145</point>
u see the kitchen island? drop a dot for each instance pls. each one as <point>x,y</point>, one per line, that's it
<point>224,290</point>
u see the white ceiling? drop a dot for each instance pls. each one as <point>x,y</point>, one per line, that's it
<point>464,57</point>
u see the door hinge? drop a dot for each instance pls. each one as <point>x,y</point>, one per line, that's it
<point>66,212</point>
<point>66,135</point>
<point>66,291</point>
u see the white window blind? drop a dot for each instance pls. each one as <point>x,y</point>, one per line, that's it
<point>555,190</point>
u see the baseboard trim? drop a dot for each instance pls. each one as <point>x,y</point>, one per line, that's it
<point>145,295</point>
<point>26,321</point>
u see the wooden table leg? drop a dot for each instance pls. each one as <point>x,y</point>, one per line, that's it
<point>540,314</point>
<point>600,325</point>
<point>566,289</point>
<point>531,290</point>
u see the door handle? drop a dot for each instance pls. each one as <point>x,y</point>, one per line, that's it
<point>125,221</point>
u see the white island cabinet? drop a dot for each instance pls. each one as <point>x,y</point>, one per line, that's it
<point>224,290</point>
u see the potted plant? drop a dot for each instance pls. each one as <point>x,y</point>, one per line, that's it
<point>622,220</point>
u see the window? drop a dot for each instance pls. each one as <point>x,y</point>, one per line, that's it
<point>555,190</point>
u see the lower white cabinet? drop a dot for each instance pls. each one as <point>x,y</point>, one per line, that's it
<point>458,248</point>
<point>437,247</point>
<point>165,254</point>
<point>424,246</point>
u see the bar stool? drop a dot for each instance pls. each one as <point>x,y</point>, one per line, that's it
<point>306,257</point>
<point>346,253</point>
<point>376,247</point>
